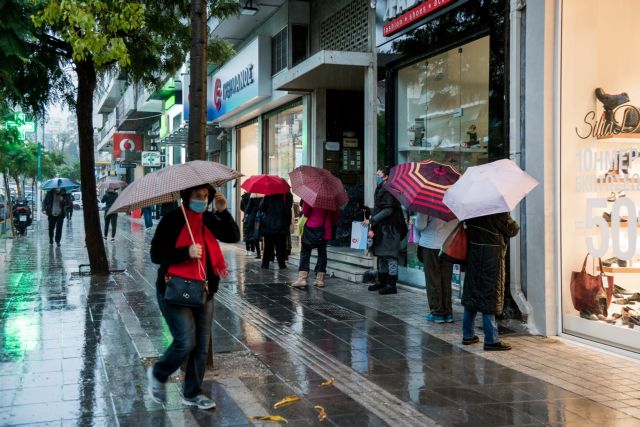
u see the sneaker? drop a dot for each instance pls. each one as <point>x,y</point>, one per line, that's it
<point>469,341</point>
<point>248,253</point>
<point>448,318</point>
<point>113,239</point>
<point>201,401</point>
<point>156,388</point>
<point>435,318</point>
<point>105,237</point>
<point>58,244</point>
<point>499,346</point>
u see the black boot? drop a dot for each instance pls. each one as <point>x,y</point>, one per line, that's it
<point>391,286</point>
<point>381,282</point>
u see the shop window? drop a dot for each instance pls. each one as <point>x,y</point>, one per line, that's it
<point>600,172</point>
<point>279,52</point>
<point>443,107</point>
<point>285,141</point>
<point>299,44</point>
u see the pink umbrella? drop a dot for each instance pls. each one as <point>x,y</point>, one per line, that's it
<point>318,187</point>
<point>112,185</point>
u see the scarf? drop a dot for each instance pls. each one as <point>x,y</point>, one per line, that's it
<point>192,268</point>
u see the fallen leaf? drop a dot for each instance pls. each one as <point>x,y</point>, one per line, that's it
<point>328,382</point>
<point>322,414</point>
<point>273,418</point>
<point>287,400</point>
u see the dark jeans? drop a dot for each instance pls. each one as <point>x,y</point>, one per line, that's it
<point>275,242</point>
<point>191,331</point>
<point>305,258</point>
<point>69,213</point>
<point>55,222</point>
<point>437,277</point>
<point>148,216</point>
<point>253,246</point>
<point>489,326</point>
<point>113,219</point>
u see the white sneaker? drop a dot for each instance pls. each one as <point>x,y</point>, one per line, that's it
<point>248,253</point>
<point>201,401</point>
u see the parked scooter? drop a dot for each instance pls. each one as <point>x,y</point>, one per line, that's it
<point>22,216</point>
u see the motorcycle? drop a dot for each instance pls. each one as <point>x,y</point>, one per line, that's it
<point>22,216</point>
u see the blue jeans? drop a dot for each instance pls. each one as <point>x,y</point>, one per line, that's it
<point>148,216</point>
<point>191,330</point>
<point>488,324</point>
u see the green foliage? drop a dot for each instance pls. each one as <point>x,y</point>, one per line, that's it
<point>70,171</point>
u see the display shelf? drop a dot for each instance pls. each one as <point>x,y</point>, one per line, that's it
<point>618,180</point>
<point>620,270</point>
<point>622,224</point>
<point>620,136</point>
<point>446,150</point>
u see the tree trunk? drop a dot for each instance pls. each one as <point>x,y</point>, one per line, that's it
<point>198,81</point>
<point>16,179</point>
<point>9,207</point>
<point>84,112</point>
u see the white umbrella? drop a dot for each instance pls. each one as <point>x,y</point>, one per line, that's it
<point>488,189</point>
<point>165,184</point>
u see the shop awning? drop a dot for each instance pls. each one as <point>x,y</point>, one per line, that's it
<point>179,136</point>
<point>328,69</point>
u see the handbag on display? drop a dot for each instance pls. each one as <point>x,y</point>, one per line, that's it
<point>588,290</point>
<point>187,292</point>
<point>455,246</point>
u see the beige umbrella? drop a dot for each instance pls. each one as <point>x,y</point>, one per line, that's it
<point>164,185</point>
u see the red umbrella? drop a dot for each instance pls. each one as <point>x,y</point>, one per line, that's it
<point>420,187</point>
<point>318,187</point>
<point>266,184</point>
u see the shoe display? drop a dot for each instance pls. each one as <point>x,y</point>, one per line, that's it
<point>611,261</point>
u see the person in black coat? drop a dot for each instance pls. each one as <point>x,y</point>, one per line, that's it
<point>275,215</point>
<point>190,327</point>
<point>484,282</point>
<point>249,204</point>
<point>55,205</point>
<point>388,228</point>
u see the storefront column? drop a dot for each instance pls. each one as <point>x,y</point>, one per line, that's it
<point>371,115</point>
<point>319,127</point>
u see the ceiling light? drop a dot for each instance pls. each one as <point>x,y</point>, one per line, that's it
<point>248,8</point>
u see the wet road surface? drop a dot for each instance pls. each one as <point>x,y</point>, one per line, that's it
<point>74,350</point>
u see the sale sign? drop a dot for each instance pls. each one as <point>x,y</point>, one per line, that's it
<point>123,142</point>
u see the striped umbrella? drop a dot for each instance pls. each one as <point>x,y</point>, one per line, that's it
<point>318,187</point>
<point>266,184</point>
<point>164,185</point>
<point>420,187</point>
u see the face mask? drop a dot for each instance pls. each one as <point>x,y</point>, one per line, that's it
<point>379,180</point>
<point>198,206</point>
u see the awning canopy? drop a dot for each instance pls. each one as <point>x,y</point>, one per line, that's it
<point>179,136</point>
<point>327,69</point>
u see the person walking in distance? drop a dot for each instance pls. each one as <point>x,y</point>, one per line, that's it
<point>484,281</point>
<point>388,229</point>
<point>173,248</point>
<point>432,232</point>
<point>317,231</point>
<point>275,222</point>
<point>69,207</point>
<point>55,205</point>
<point>250,204</point>
<point>108,199</point>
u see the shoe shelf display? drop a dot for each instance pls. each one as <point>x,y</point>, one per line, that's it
<point>620,136</point>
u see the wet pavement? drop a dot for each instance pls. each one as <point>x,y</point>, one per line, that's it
<point>74,351</point>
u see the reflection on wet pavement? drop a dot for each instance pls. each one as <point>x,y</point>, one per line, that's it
<point>74,350</point>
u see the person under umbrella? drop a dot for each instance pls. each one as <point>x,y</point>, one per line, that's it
<point>172,248</point>
<point>317,231</point>
<point>275,213</point>
<point>388,229</point>
<point>250,204</point>
<point>109,199</point>
<point>55,205</point>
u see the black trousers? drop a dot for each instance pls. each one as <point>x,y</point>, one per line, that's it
<point>55,223</point>
<point>278,243</point>
<point>305,258</point>
<point>113,219</point>
<point>253,246</point>
<point>437,276</point>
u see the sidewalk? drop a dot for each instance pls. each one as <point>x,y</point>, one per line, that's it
<point>74,351</point>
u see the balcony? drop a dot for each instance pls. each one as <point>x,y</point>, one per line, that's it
<point>108,95</point>
<point>136,111</point>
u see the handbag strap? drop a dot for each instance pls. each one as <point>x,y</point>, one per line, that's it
<point>201,269</point>
<point>584,265</point>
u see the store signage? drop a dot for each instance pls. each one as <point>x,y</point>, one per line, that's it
<point>151,159</point>
<point>126,142</point>
<point>402,13</point>
<point>332,146</point>
<point>241,82</point>
<point>621,120</point>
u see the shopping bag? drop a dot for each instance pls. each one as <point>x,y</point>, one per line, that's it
<point>454,247</point>
<point>358,235</point>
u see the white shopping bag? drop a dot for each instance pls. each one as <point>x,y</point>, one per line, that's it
<point>358,235</point>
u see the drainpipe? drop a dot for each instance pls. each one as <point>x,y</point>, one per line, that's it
<point>515,152</point>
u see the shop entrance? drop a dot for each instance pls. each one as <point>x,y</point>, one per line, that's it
<point>344,154</point>
<point>248,155</point>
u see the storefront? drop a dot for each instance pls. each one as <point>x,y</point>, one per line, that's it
<point>446,83</point>
<point>599,172</point>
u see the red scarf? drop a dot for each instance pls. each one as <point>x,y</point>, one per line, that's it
<point>189,269</point>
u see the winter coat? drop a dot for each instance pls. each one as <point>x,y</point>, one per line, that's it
<point>484,283</point>
<point>388,223</point>
<point>48,202</point>
<point>163,244</point>
<point>249,205</point>
<point>276,211</point>
<point>109,199</point>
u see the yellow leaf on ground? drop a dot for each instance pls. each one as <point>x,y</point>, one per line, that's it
<point>273,418</point>
<point>287,400</point>
<point>328,382</point>
<point>322,414</point>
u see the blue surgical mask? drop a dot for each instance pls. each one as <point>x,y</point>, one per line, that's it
<point>379,180</point>
<point>198,206</point>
